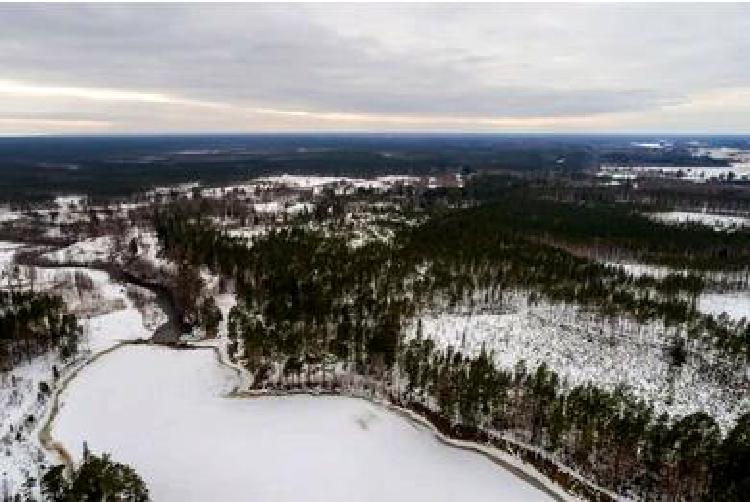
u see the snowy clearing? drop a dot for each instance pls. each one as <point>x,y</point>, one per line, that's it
<point>8,251</point>
<point>715,221</point>
<point>169,420</point>
<point>583,347</point>
<point>20,453</point>
<point>734,304</point>
<point>95,249</point>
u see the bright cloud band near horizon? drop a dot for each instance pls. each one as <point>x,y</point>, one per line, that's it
<point>254,67</point>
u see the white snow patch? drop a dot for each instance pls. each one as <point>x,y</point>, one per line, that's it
<point>715,221</point>
<point>95,249</point>
<point>735,304</point>
<point>6,214</point>
<point>267,207</point>
<point>637,269</point>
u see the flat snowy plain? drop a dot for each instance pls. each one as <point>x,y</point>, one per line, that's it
<point>164,412</point>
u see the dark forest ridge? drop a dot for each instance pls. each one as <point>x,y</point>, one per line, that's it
<point>35,168</point>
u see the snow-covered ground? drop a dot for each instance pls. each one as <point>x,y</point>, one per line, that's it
<point>6,214</point>
<point>735,304</point>
<point>317,182</point>
<point>248,232</point>
<point>715,221</point>
<point>583,347</point>
<point>102,249</point>
<point>645,270</point>
<point>67,201</point>
<point>7,252</point>
<point>95,249</point>
<point>225,302</point>
<point>698,174</point>
<point>107,330</point>
<point>86,292</point>
<point>21,457</point>
<point>162,411</point>
<point>277,207</point>
<point>109,313</point>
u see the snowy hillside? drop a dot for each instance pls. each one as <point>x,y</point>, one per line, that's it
<point>584,347</point>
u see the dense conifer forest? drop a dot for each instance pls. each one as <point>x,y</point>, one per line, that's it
<point>560,214</point>
<point>308,302</point>
<point>97,478</point>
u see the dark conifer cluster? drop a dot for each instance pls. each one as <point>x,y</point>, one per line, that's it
<point>608,436</point>
<point>32,323</point>
<point>98,478</point>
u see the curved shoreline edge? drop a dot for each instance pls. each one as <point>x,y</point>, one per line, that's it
<point>44,434</point>
<point>524,472</point>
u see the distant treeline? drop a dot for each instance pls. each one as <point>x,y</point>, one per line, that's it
<point>105,167</point>
<point>652,194</point>
<point>34,169</point>
<point>665,157</point>
<point>537,212</point>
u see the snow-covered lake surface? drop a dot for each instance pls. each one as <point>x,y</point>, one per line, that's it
<point>163,411</point>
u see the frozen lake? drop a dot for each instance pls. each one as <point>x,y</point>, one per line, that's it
<point>162,411</point>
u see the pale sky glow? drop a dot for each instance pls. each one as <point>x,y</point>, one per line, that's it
<point>23,90</point>
<point>67,68</point>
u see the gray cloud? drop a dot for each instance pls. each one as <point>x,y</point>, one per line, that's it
<point>440,60</point>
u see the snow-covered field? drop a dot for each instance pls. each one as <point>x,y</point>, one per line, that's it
<point>735,304</point>
<point>317,182</point>
<point>698,174</point>
<point>96,249</point>
<point>715,221</point>
<point>7,252</point>
<point>163,411</point>
<point>644,269</point>
<point>582,347</point>
<point>7,214</point>
<point>106,248</point>
<point>248,232</point>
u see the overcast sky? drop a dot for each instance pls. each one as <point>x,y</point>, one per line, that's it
<point>252,67</point>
